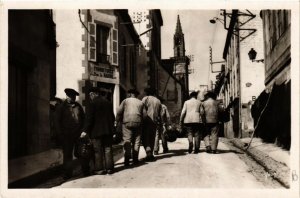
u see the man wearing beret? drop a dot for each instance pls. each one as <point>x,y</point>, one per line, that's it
<point>131,113</point>
<point>69,122</point>
<point>151,122</point>
<point>99,125</point>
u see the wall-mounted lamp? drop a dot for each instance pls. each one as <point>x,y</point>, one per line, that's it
<point>252,55</point>
<point>215,19</point>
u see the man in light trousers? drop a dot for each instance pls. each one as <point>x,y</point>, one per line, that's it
<point>191,119</point>
<point>131,113</point>
<point>211,112</point>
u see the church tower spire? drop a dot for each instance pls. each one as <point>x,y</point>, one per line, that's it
<point>181,61</point>
<point>179,46</point>
<point>178,26</point>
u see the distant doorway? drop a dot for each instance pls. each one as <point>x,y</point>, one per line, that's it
<point>107,90</point>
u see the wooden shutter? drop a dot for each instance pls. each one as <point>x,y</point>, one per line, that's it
<point>92,54</point>
<point>114,46</point>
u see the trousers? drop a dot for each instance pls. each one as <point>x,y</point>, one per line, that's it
<point>160,135</point>
<point>211,137</point>
<point>193,132</point>
<point>103,153</point>
<point>132,140</point>
<point>68,147</point>
<point>148,135</point>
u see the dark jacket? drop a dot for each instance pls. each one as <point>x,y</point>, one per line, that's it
<point>99,118</point>
<point>69,118</point>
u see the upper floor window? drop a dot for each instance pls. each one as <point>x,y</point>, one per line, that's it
<point>103,43</point>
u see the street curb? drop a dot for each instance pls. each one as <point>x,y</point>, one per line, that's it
<point>276,169</point>
<point>37,178</point>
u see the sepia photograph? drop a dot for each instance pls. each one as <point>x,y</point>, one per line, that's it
<point>150,98</point>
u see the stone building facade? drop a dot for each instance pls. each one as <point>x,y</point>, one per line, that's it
<point>88,54</point>
<point>274,104</point>
<point>31,80</point>
<point>241,80</point>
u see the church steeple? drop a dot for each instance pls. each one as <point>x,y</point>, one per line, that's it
<point>178,26</point>
<point>181,64</point>
<point>179,46</point>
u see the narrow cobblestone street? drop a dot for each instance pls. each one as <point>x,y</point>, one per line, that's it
<point>178,169</point>
<point>88,90</point>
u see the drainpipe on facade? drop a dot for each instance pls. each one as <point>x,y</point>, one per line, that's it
<point>240,80</point>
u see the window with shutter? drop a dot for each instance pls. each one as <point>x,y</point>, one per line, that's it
<point>102,36</point>
<point>92,42</point>
<point>114,55</point>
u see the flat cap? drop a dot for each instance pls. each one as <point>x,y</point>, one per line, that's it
<point>194,94</point>
<point>71,92</point>
<point>210,94</point>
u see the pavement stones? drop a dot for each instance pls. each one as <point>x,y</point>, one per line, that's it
<point>273,158</point>
<point>30,171</point>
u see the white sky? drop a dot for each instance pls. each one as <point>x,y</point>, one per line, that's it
<point>199,34</point>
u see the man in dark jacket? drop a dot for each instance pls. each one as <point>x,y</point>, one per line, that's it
<point>99,126</point>
<point>211,113</point>
<point>69,118</point>
<point>131,113</point>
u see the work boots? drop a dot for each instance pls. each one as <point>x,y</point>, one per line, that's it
<point>126,161</point>
<point>208,149</point>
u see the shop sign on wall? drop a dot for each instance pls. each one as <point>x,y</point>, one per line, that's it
<point>102,71</point>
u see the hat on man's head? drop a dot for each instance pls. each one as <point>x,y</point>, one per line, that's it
<point>149,91</point>
<point>133,91</point>
<point>194,94</point>
<point>71,92</point>
<point>94,90</point>
<point>210,94</point>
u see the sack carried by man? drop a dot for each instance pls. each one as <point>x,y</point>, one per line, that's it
<point>171,135</point>
<point>84,148</point>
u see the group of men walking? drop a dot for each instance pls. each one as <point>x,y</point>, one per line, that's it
<point>201,119</point>
<point>141,121</point>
